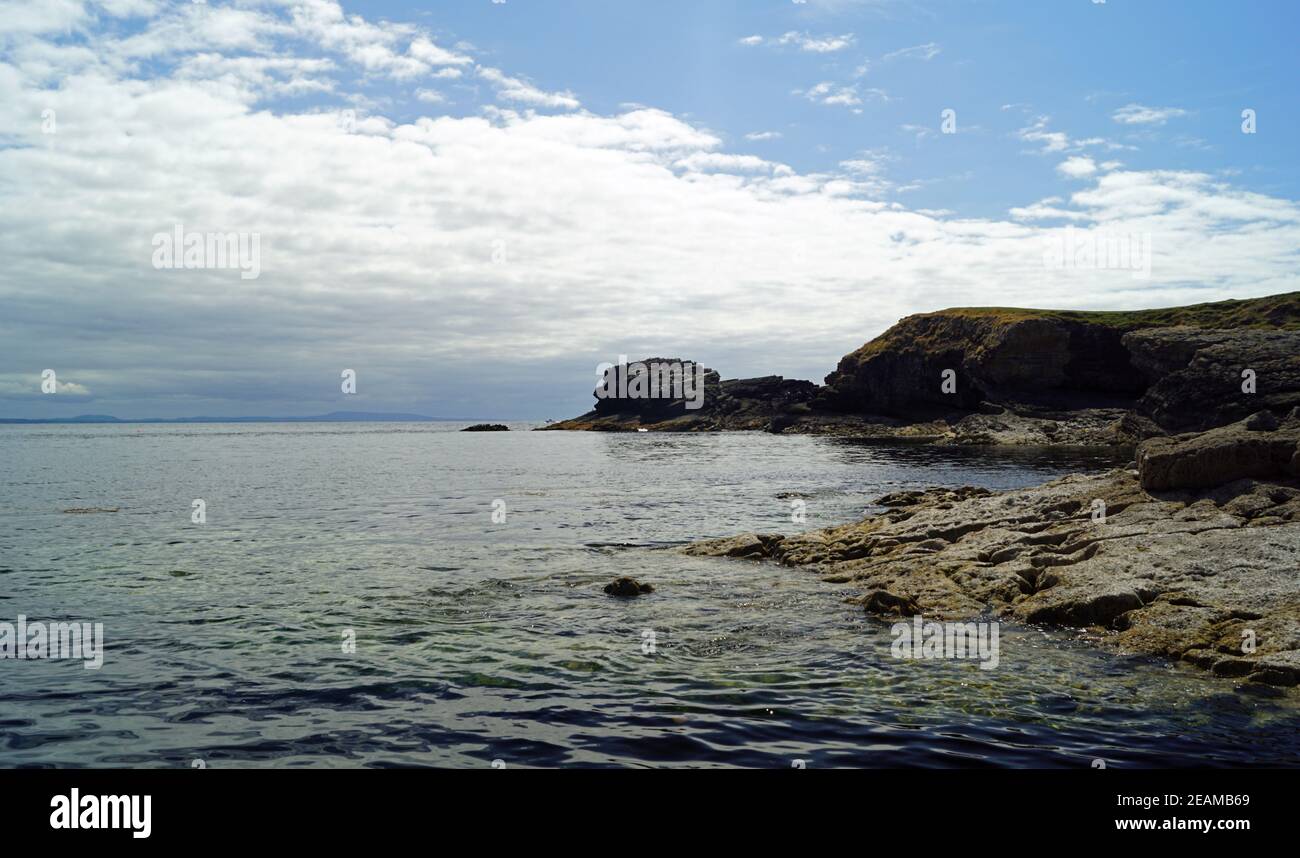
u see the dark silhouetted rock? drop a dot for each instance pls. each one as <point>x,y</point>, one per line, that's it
<point>1197,376</point>
<point>627,588</point>
<point>751,403</point>
<point>885,602</point>
<point>487,427</point>
<point>1018,377</point>
<point>1011,356</point>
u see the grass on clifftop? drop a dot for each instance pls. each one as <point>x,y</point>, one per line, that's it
<point>1276,312</point>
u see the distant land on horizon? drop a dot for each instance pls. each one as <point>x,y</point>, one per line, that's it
<point>332,417</point>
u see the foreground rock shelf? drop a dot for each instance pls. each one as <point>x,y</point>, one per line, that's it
<point>1193,556</point>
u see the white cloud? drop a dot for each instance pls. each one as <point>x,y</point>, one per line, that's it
<point>259,77</point>
<point>1137,114</point>
<point>375,47</point>
<point>48,16</point>
<point>804,41</point>
<point>1047,209</point>
<point>759,136</point>
<point>516,89</point>
<point>925,53</point>
<point>724,162</point>
<point>919,131</point>
<point>842,95</point>
<point>28,386</point>
<point>129,8</point>
<point>191,27</point>
<point>1051,141</point>
<point>864,166</point>
<point>497,245</point>
<point>866,173</point>
<point>1054,142</point>
<point>817,44</point>
<point>1077,167</point>
<point>426,51</point>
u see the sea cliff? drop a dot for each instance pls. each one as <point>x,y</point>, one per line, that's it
<point>1015,376</point>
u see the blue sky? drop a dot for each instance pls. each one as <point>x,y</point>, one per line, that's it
<point>473,204</point>
<point>1077,61</point>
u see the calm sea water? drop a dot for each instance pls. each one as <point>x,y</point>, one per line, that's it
<point>480,640</point>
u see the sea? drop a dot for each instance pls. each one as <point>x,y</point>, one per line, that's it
<point>396,595</point>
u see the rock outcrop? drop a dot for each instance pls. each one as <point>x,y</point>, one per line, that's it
<point>1193,570</point>
<point>1017,357</point>
<point>1203,378</point>
<point>1260,447</point>
<point>627,588</point>
<point>1019,377</point>
<point>1184,377</point>
<point>752,403</point>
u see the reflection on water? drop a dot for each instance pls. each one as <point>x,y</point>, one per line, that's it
<point>479,640</point>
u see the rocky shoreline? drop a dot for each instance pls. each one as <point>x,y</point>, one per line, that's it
<point>1193,555</point>
<point>997,376</point>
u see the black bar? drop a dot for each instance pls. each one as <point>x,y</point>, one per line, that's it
<point>218,807</point>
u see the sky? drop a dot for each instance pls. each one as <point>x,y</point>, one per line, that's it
<point>472,204</point>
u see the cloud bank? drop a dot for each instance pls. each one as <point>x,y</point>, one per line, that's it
<point>478,264</point>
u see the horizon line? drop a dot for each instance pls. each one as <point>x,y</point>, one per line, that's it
<point>332,417</point>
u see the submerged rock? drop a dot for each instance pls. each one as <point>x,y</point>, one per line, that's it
<point>627,588</point>
<point>885,602</point>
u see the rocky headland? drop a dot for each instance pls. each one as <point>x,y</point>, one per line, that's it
<point>1192,555</point>
<point>988,376</point>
